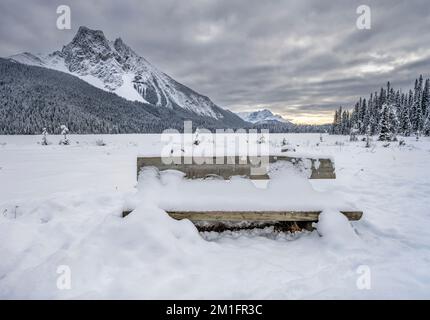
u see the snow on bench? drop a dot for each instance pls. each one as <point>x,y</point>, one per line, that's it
<point>213,205</point>
<point>228,166</point>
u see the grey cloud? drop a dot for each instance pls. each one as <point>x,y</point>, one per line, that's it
<point>296,57</point>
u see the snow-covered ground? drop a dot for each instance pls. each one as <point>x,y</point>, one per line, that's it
<point>61,206</point>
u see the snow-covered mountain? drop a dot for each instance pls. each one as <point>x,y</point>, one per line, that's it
<point>33,98</point>
<point>261,116</point>
<point>113,66</point>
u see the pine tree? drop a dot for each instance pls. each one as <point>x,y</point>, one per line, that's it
<point>378,110</point>
<point>345,122</point>
<point>361,111</point>
<point>426,127</point>
<point>368,137</point>
<point>385,134</point>
<point>398,103</point>
<point>393,123</point>
<point>406,126</point>
<point>367,120</point>
<point>382,98</point>
<point>44,137</point>
<point>335,124</point>
<point>417,116</point>
<point>338,121</point>
<point>361,123</point>
<point>425,101</point>
<point>64,132</point>
<point>353,133</point>
<point>374,123</point>
<point>355,114</point>
<point>409,106</point>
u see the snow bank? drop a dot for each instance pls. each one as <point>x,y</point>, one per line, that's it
<point>336,230</point>
<point>64,207</point>
<point>105,254</point>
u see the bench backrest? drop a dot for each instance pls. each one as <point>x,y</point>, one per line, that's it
<point>226,167</point>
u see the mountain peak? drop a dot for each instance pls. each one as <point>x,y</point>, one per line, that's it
<point>265,112</point>
<point>113,66</point>
<point>261,116</point>
<point>87,32</point>
<point>118,41</point>
<point>87,38</point>
<point>87,49</point>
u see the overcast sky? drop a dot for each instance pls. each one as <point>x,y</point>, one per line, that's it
<point>299,58</point>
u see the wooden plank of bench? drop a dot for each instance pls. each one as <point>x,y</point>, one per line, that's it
<point>253,215</point>
<point>226,167</point>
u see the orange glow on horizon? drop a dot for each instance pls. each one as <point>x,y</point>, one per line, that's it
<point>311,119</point>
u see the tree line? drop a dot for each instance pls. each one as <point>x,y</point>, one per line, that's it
<point>388,113</point>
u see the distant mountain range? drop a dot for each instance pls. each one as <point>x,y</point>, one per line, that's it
<point>261,116</point>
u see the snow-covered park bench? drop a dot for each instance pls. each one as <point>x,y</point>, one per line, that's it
<point>229,166</point>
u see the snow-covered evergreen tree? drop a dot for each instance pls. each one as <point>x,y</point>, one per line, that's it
<point>284,142</point>
<point>64,132</point>
<point>376,114</point>
<point>393,122</point>
<point>417,115</point>
<point>385,134</point>
<point>406,126</point>
<point>197,139</point>
<point>353,133</point>
<point>368,139</point>
<point>44,137</point>
<point>366,120</point>
<point>261,139</point>
<point>337,122</point>
<point>345,125</point>
<point>361,113</point>
<point>425,101</point>
<point>426,127</point>
<point>286,146</point>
